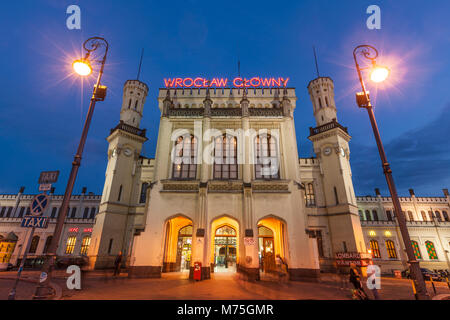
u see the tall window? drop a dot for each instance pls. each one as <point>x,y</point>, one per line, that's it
<point>47,243</point>
<point>445,214</point>
<point>438,216</point>
<point>2,212</point>
<point>375,215</point>
<point>54,210</point>
<point>431,250</point>
<point>361,215</point>
<point>34,244</point>
<point>74,212</point>
<point>267,164</point>
<point>22,211</point>
<point>424,215</point>
<point>225,157</point>
<point>85,213</point>
<point>430,214</point>
<point>70,244</point>
<point>375,249</point>
<point>185,158</point>
<point>143,196</point>
<point>368,217</point>
<point>119,196</point>
<point>92,216</point>
<point>389,215</point>
<point>309,195</point>
<point>85,245</point>
<point>416,249</point>
<point>390,247</point>
<point>410,216</point>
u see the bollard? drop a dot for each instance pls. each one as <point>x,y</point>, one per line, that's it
<point>448,284</point>
<point>432,284</point>
<point>414,289</point>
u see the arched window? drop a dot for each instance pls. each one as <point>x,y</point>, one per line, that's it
<point>445,214</point>
<point>368,216</point>
<point>410,216</point>
<point>390,247</point>
<point>361,215</point>
<point>47,243</point>
<point>34,244</point>
<point>70,244</point>
<point>431,250</point>
<point>437,214</point>
<point>375,215</point>
<point>375,249</point>
<point>424,215</point>
<point>143,196</point>
<point>85,245</point>
<point>416,249</point>
<point>226,231</point>
<point>310,197</point>
<point>185,158</point>
<point>389,215</point>
<point>225,157</point>
<point>266,154</point>
<point>430,214</point>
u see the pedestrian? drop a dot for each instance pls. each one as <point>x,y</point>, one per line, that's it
<point>355,279</point>
<point>117,264</point>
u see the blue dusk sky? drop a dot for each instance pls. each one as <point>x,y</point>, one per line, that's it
<point>43,106</point>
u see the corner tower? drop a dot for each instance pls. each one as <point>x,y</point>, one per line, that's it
<point>120,197</point>
<point>331,145</point>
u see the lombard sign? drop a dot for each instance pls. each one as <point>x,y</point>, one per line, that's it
<point>360,259</point>
<point>222,82</point>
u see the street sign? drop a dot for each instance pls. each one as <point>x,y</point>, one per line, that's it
<point>45,187</point>
<point>39,204</point>
<point>34,222</point>
<point>48,177</point>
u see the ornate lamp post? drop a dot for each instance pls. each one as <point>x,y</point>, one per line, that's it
<point>82,67</point>
<point>378,74</point>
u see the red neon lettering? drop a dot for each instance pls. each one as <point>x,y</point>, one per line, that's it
<point>178,82</point>
<point>265,82</point>
<point>168,82</point>
<point>257,79</point>
<point>196,84</point>
<point>213,82</point>
<point>277,82</point>
<point>246,83</point>
<point>222,82</point>
<point>235,82</point>
<point>205,82</point>
<point>188,79</point>
<point>285,81</point>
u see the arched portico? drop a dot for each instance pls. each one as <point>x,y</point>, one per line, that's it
<point>272,241</point>
<point>224,245</point>
<point>177,244</point>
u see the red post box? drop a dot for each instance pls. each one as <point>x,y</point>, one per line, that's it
<point>197,271</point>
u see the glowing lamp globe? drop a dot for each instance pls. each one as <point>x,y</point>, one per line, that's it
<point>82,67</point>
<point>379,74</point>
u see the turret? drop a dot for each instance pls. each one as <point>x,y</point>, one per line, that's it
<point>134,94</point>
<point>321,92</point>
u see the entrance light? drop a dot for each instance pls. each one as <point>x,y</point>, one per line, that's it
<point>82,67</point>
<point>379,73</point>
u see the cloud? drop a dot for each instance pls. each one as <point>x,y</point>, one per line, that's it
<point>419,158</point>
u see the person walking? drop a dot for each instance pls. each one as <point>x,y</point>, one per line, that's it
<point>117,264</point>
<point>355,279</point>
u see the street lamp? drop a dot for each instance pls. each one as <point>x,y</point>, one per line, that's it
<point>83,68</point>
<point>379,74</point>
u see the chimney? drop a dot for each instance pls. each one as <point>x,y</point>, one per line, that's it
<point>83,191</point>
<point>377,191</point>
<point>411,192</point>
<point>22,189</point>
<point>445,192</point>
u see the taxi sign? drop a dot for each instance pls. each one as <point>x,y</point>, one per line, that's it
<point>34,222</point>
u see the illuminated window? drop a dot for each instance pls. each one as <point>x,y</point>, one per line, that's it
<point>416,249</point>
<point>225,157</point>
<point>431,250</point>
<point>372,233</point>
<point>390,247</point>
<point>375,249</point>
<point>309,195</point>
<point>266,154</point>
<point>70,244</point>
<point>34,244</point>
<point>424,215</point>
<point>225,231</point>
<point>47,243</point>
<point>185,158</point>
<point>85,245</point>
<point>387,233</point>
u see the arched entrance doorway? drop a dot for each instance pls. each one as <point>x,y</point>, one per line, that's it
<point>271,242</point>
<point>225,246</point>
<point>178,245</point>
<point>224,254</point>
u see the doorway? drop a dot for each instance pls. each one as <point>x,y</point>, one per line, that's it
<point>225,249</point>
<point>184,246</point>
<point>266,249</point>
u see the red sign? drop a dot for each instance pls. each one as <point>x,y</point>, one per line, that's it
<point>87,230</point>
<point>73,229</point>
<point>222,82</point>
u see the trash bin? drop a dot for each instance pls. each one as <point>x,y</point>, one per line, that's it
<point>198,271</point>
